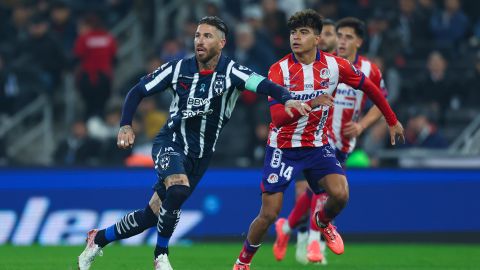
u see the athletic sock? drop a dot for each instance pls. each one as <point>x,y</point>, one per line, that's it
<point>247,253</point>
<point>300,208</point>
<point>169,216</point>
<point>131,224</point>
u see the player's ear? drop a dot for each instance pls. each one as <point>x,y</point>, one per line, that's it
<point>359,43</point>
<point>223,42</point>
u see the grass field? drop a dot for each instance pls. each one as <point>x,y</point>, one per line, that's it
<point>213,256</point>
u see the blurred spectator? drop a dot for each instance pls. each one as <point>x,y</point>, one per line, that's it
<point>152,119</point>
<point>449,26</point>
<point>95,48</point>
<point>275,23</point>
<point>472,95</point>
<point>383,41</point>
<point>41,55</point>
<point>249,53</point>
<point>171,50</point>
<point>435,84</point>
<point>105,130</point>
<point>412,27</point>
<point>328,9</point>
<point>421,132</point>
<point>289,7</point>
<point>78,149</point>
<point>392,79</point>
<point>63,26</point>
<point>253,15</point>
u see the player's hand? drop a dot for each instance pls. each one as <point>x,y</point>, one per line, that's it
<point>396,131</point>
<point>126,137</point>
<point>301,107</point>
<point>353,129</point>
<point>322,100</point>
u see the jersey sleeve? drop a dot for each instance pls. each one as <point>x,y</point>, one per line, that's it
<point>243,78</point>
<point>159,80</point>
<point>275,75</point>
<point>349,74</point>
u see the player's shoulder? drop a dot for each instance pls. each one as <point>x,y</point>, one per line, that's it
<point>276,65</point>
<point>363,59</point>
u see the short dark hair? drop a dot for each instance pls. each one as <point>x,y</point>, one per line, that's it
<point>215,21</point>
<point>328,22</point>
<point>355,23</point>
<point>306,18</point>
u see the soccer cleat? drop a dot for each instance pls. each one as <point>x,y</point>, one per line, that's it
<point>314,253</point>
<point>162,262</point>
<point>301,251</point>
<point>241,266</point>
<point>281,242</point>
<point>331,236</point>
<point>91,251</point>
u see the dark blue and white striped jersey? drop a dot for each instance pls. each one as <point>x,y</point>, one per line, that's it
<point>202,103</point>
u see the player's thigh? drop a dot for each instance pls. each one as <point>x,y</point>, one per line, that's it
<point>169,162</point>
<point>280,167</point>
<point>335,185</point>
<point>323,163</point>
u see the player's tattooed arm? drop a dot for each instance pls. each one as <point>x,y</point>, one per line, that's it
<point>125,137</point>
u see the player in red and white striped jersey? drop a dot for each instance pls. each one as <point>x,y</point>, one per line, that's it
<point>300,143</point>
<point>345,126</point>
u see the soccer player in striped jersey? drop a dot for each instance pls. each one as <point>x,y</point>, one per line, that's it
<point>301,143</point>
<point>205,88</point>
<point>346,126</point>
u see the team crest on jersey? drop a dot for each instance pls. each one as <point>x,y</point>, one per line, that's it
<point>218,86</point>
<point>272,178</point>
<point>324,73</point>
<point>165,162</point>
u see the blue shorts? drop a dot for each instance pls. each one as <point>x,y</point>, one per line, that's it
<point>283,165</point>
<point>341,157</point>
<point>169,158</point>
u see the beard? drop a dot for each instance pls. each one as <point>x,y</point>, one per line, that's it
<point>207,56</point>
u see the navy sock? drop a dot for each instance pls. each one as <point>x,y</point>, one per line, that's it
<point>169,216</point>
<point>131,224</point>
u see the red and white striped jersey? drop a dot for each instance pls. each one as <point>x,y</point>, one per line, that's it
<point>349,104</point>
<point>305,82</point>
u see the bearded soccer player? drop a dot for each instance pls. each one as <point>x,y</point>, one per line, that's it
<point>205,88</point>
<point>301,143</point>
<point>345,128</point>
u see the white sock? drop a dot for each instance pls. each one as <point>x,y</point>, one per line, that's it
<point>313,236</point>
<point>286,228</point>
<point>302,236</point>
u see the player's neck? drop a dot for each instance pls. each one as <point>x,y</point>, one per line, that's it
<point>210,64</point>
<point>306,58</point>
<point>352,57</point>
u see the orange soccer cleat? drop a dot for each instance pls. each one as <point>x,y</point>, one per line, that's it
<point>239,266</point>
<point>314,253</point>
<point>281,242</point>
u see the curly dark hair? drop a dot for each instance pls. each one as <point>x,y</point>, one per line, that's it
<point>306,18</point>
<point>355,23</point>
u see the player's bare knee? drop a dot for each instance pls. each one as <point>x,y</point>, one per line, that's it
<point>269,215</point>
<point>176,179</point>
<point>340,195</point>
<point>155,203</point>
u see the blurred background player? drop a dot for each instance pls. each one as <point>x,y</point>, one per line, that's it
<point>346,127</point>
<point>205,87</point>
<point>301,143</point>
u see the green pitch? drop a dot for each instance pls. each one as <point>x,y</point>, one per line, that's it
<point>213,256</point>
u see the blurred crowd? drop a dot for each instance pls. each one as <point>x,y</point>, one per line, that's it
<point>428,51</point>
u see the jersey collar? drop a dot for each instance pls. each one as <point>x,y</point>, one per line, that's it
<point>193,66</point>
<point>317,58</point>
